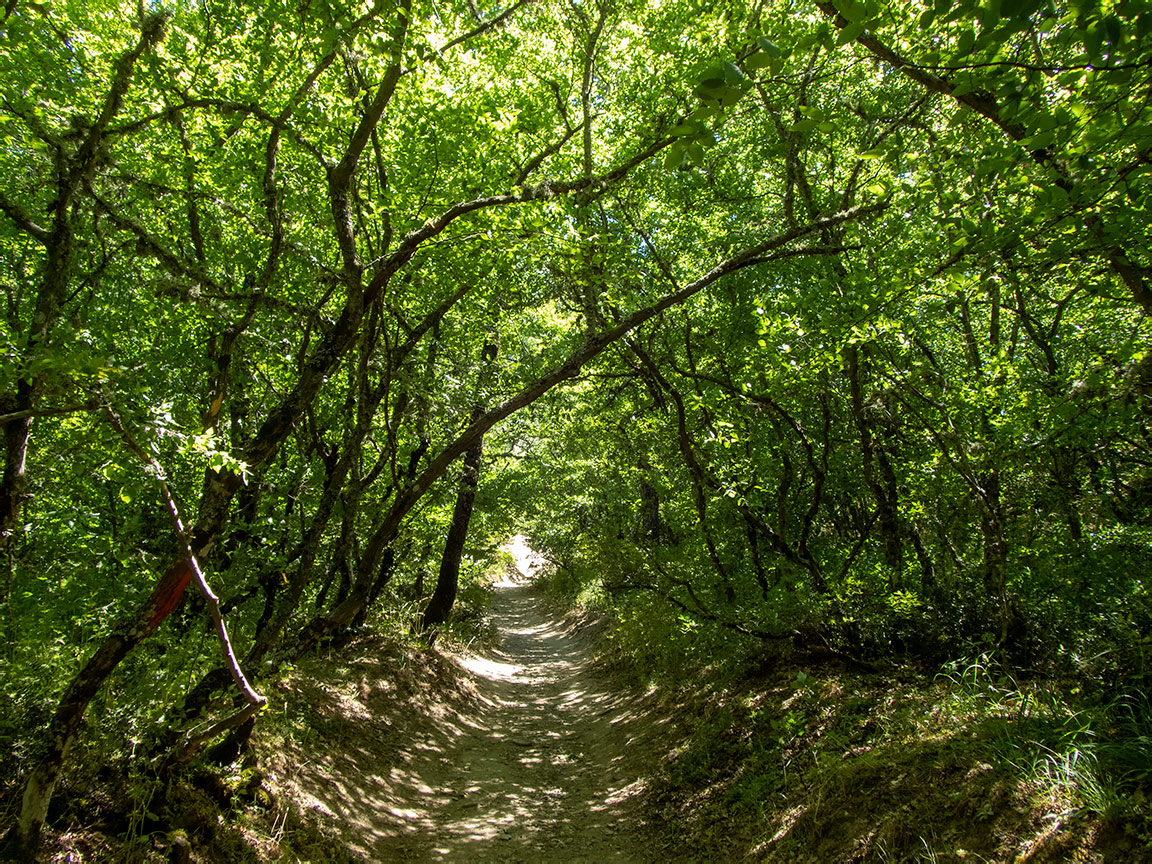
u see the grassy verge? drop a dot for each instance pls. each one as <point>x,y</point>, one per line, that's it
<point>796,759</point>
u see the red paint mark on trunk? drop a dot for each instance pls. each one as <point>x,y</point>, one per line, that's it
<point>169,591</point>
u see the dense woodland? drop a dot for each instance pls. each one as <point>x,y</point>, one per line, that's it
<point>766,320</point>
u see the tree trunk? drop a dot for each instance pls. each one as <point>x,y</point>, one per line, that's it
<point>651,528</point>
<point>995,563</point>
<point>383,577</point>
<point>448,581</point>
<point>878,474</point>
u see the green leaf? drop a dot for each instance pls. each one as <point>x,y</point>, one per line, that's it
<point>1144,26</point>
<point>850,33</point>
<point>731,96</point>
<point>990,15</point>
<point>732,74</point>
<point>1039,141</point>
<point>703,115</point>
<point>1094,41</point>
<point>853,10</point>
<point>956,14</point>
<point>759,60</point>
<point>804,125</point>
<point>768,47</point>
<point>686,127</point>
<point>1114,30</point>
<point>965,42</point>
<point>1019,9</point>
<point>707,138</point>
<point>710,85</point>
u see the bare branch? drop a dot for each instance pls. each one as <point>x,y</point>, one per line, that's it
<point>48,412</point>
<point>150,244</point>
<point>485,27</point>
<point>255,700</point>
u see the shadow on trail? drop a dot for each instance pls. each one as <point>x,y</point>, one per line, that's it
<point>543,761</point>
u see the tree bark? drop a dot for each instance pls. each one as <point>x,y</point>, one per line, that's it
<point>448,580</point>
<point>878,474</point>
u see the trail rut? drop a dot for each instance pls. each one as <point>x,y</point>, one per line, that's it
<point>545,762</point>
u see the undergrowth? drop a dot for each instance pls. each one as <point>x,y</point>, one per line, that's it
<point>793,755</point>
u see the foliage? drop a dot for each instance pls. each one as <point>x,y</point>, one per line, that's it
<point>813,321</point>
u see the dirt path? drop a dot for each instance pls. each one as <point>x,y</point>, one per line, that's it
<point>544,763</point>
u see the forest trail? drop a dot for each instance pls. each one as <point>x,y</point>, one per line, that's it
<point>544,762</point>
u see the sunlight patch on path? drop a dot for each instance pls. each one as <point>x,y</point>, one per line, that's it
<point>493,670</point>
<point>528,561</point>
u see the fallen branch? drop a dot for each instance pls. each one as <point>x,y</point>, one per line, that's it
<point>193,744</point>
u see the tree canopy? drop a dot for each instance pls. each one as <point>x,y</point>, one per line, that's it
<point>813,320</point>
